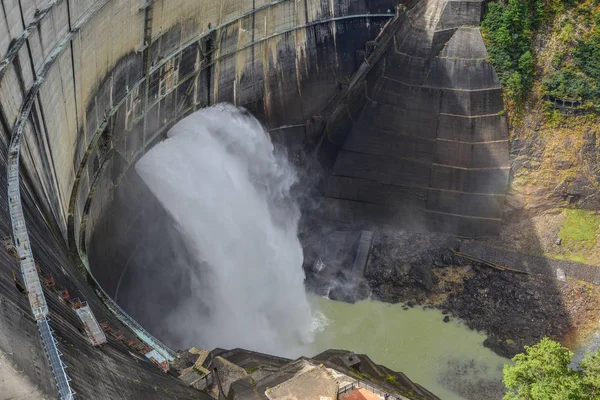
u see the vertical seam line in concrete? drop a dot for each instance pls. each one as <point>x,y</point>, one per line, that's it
<point>306,11</point>
<point>297,67</point>
<point>306,138</point>
<point>209,72</point>
<point>254,47</point>
<point>306,23</point>
<point>31,64</point>
<point>64,95</point>
<point>69,14</point>
<point>52,163</point>
<point>148,13</point>
<point>74,88</point>
<point>22,16</point>
<point>5,18</point>
<point>435,142</point>
<point>4,123</point>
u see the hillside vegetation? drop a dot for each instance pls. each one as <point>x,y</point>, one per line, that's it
<point>547,56</point>
<point>508,29</point>
<point>543,373</point>
<point>573,73</point>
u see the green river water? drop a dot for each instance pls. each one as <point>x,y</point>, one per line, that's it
<point>446,358</point>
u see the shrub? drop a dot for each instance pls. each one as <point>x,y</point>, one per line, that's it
<point>543,373</point>
<point>508,29</point>
<point>587,56</point>
<point>565,84</point>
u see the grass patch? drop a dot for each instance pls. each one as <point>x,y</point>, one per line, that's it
<point>579,232</point>
<point>570,257</point>
<point>250,370</point>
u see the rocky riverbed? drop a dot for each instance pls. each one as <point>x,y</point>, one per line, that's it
<point>513,309</point>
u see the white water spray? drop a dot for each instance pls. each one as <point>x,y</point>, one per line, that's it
<point>220,178</point>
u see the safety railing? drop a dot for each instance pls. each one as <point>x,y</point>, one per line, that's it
<point>23,247</point>
<point>371,388</point>
<point>21,240</point>
<point>129,322</point>
<point>35,293</point>
<point>92,328</point>
<point>56,364</point>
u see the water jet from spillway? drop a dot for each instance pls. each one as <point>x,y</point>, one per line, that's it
<point>228,190</point>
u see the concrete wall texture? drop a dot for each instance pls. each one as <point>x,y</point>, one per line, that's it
<point>423,140</point>
<point>105,79</point>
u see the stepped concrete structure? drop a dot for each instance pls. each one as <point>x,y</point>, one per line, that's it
<point>425,142</point>
<point>88,86</point>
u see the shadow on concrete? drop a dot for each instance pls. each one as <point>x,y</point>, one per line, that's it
<point>141,259</point>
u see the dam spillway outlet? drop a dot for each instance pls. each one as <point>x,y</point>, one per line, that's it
<point>237,278</point>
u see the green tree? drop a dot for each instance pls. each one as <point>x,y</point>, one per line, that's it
<point>508,27</point>
<point>590,367</point>
<point>543,373</point>
<point>587,55</point>
<point>565,84</point>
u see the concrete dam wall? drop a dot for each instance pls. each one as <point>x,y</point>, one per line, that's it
<point>88,86</point>
<point>423,141</point>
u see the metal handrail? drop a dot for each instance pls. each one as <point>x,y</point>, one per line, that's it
<point>37,301</point>
<point>128,321</point>
<point>91,325</point>
<point>371,388</point>
<point>22,243</point>
<point>56,364</point>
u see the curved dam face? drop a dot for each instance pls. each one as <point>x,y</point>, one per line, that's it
<point>87,87</point>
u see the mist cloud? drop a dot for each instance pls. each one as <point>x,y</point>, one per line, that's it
<point>228,192</point>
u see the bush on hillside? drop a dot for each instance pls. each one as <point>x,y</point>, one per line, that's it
<point>543,373</point>
<point>564,84</point>
<point>508,29</point>
<point>587,56</point>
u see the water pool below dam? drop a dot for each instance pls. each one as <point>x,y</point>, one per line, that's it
<point>446,357</point>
